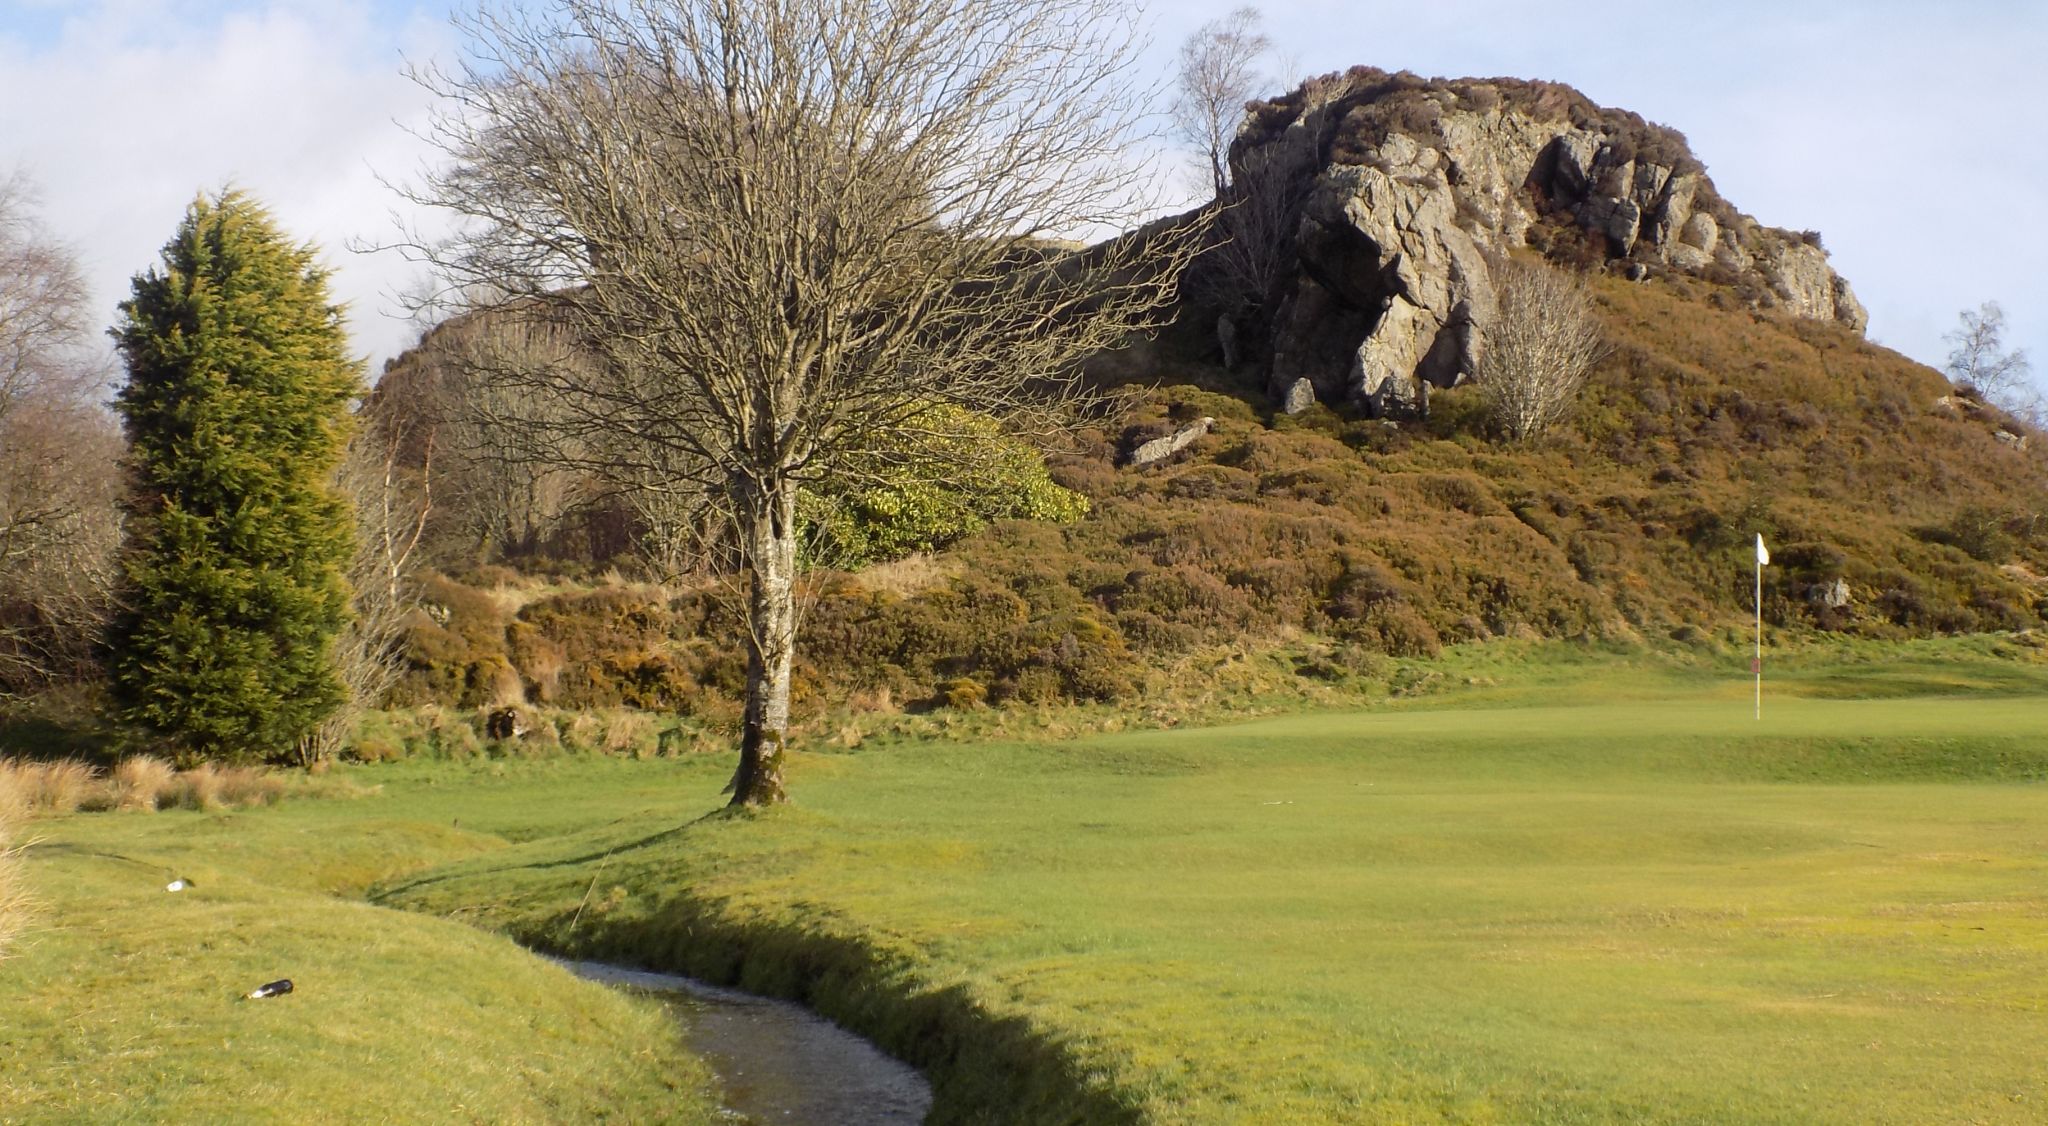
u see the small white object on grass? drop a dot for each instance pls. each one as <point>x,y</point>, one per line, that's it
<point>276,988</point>
<point>179,884</point>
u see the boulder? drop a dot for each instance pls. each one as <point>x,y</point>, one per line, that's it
<point>1159,449</point>
<point>1300,396</point>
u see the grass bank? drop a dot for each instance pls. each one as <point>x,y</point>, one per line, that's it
<point>124,1001</point>
<point>1613,896</point>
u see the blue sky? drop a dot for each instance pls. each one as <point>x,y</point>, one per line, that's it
<point>1907,133</point>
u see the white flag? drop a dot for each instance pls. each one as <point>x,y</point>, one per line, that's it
<point>1763,554</point>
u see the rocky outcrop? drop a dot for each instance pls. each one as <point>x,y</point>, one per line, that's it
<point>1408,187</point>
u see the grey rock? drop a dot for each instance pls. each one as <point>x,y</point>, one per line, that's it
<point>2016,441</point>
<point>1394,290</point>
<point>1700,230</point>
<point>1833,595</point>
<point>1159,449</point>
<point>1300,396</point>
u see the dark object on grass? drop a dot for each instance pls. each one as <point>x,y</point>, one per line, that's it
<point>277,988</point>
<point>503,723</point>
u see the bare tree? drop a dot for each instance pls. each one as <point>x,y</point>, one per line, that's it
<point>59,452</point>
<point>1981,362</point>
<point>1218,74</point>
<point>1252,245</point>
<point>1537,348</point>
<point>490,498</point>
<point>393,501</point>
<point>769,233</point>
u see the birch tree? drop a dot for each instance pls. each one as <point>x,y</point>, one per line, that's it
<point>1217,75</point>
<point>1981,362</point>
<point>766,235</point>
<point>1537,349</point>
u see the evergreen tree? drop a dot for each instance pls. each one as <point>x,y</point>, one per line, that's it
<point>237,412</point>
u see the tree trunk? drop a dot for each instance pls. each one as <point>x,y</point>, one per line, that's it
<point>768,522</point>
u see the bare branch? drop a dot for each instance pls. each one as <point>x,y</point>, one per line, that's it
<point>744,240</point>
<point>1537,348</point>
<point>59,458</point>
<point>1980,361</point>
<point>1218,74</point>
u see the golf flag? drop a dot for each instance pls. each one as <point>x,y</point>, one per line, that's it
<point>1756,664</point>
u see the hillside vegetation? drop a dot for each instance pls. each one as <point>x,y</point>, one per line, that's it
<point>1339,541</point>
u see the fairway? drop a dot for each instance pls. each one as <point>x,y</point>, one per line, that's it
<point>1475,906</point>
<point>1648,910</point>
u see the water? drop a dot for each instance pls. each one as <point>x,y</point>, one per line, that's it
<point>780,1063</point>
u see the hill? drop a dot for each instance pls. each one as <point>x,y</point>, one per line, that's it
<point>1382,516</point>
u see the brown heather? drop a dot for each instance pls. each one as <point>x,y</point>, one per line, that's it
<point>1706,425</point>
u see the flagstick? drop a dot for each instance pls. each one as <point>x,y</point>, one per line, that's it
<point>1759,638</point>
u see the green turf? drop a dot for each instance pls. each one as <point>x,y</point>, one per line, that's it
<point>1641,909</point>
<point>123,1003</point>
<point>1538,885</point>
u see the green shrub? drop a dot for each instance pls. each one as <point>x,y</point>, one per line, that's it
<point>963,693</point>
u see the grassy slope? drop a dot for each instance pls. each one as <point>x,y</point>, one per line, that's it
<point>1639,906</point>
<point>124,1002</point>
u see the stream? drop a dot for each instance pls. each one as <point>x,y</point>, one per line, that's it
<point>779,1063</point>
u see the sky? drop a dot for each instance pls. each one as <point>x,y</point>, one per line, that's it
<point>1906,131</point>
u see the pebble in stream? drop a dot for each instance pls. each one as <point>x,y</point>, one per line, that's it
<point>781,1064</point>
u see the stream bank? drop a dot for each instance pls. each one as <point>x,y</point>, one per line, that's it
<point>779,1062</point>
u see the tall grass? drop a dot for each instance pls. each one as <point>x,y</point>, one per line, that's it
<point>14,904</point>
<point>140,782</point>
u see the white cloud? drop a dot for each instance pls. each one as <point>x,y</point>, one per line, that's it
<point>130,108</point>
<point>1902,130</point>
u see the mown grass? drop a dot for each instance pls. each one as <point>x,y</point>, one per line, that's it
<point>1646,906</point>
<point>124,1001</point>
<point>1531,883</point>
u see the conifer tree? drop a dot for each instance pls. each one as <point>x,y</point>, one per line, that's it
<point>237,412</point>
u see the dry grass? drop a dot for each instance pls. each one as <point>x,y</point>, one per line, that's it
<point>14,902</point>
<point>137,783</point>
<point>141,782</point>
<point>911,575</point>
<point>46,787</point>
<point>628,733</point>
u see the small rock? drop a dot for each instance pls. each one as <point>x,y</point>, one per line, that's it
<point>1301,395</point>
<point>1833,595</point>
<point>1159,449</point>
<point>2016,441</point>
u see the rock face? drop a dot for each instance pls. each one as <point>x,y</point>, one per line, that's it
<point>1406,187</point>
